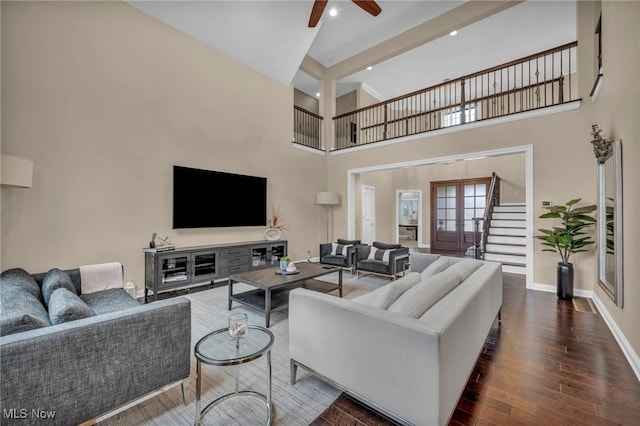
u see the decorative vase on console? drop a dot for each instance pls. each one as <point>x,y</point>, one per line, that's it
<point>275,226</point>
<point>272,234</point>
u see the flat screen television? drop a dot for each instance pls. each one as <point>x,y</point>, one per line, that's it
<point>211,199</point>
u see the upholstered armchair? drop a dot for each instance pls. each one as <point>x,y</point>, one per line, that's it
<point>382,259</point>
<point>342,253</point>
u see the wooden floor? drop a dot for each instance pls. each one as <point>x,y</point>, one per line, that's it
<point>546,364</point>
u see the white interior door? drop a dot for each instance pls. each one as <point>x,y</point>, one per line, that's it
<point>368,214</point>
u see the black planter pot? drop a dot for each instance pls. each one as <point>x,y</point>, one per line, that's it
<point>565,281</point>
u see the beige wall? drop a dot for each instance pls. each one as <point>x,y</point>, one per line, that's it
<point>105,100</point>
<point>510,168</point>
<point>346,103</point>
<point>305,101</point>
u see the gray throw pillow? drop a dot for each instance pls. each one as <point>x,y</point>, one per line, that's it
<point>21,278</point>
<point>65,306</point>
<point>53,280</point>
<point>20,311</point>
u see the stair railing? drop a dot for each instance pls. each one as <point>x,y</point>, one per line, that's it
<point>481,224</point>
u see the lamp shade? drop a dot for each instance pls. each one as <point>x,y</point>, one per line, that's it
<point>16,172</point>
<point>327,198</point>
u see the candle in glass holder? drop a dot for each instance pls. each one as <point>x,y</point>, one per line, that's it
<point>238,325</point>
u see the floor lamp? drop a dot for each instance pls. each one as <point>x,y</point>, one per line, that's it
<point>327,199</point>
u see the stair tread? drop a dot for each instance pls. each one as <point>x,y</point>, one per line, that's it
<point>506,254</point>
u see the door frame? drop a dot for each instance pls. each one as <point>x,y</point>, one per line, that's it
<point>419,231</point>
<point>461,232</point>
<point>522,149</point>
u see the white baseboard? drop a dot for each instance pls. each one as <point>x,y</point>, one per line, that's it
<point>625,346</point>
<point>549,288</point>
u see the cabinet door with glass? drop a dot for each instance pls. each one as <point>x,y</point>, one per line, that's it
<point>454,203</point>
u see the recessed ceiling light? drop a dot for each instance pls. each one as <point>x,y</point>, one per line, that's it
<point>454,32</point>
<point>333,11</point>
<point>318,94</point>
<point>369,68</point>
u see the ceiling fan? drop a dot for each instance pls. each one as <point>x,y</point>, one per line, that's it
<point>368,6</point>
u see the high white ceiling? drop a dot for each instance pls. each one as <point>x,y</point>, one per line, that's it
<point>273,38</point>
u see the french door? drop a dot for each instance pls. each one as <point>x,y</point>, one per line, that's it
<point>454,203</point>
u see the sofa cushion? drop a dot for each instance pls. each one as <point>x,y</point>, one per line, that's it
<point>437,266</point>
<point>348,242</point>
<point>420,261</point>
<point>21,278</point>
<point>53,280</point>
<point>111,300</point>
<point>339,249</point>
<point>385,246</point>
<point>379,254</point>
<point>383,297</point>
<point>418,299</point>
<point>65,306</point>
<point>20,310</point>
<point>464,268</point>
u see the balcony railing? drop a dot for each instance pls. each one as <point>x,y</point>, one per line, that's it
<point>538,81</point>
<point>306,127</point>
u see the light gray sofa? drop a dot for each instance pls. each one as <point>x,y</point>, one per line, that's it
<point>81,369</point>
<point>385,350</point>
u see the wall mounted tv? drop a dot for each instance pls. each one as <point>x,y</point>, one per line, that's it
<point>211,199</point>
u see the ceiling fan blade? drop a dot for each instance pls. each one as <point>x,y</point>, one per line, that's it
<point>369,6</point>
<point>316,12</point>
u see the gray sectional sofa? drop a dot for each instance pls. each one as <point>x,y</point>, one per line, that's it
<point>78,356</point>
<point>407,348</point>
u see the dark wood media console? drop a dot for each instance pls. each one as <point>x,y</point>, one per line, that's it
<point>186,267</point>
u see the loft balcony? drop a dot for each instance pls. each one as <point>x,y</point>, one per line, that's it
<point>538,81</point>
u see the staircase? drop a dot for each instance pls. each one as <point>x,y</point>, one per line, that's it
<point>506,239</point>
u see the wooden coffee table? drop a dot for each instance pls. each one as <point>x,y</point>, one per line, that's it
<point>272,289</point>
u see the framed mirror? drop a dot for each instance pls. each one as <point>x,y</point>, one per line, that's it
<point>609,155</point>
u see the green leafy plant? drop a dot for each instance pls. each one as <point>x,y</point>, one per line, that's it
<point>284,258</point>
<point>568,238</point>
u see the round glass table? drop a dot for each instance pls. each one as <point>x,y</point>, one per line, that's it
<point>219,348</point>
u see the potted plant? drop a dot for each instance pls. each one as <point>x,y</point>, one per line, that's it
<point>567,239</point>
<point>284,262</point>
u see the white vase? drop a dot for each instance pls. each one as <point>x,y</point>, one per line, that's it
<point>272,234</point>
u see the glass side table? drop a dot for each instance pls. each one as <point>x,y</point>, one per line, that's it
<point>219,348</point>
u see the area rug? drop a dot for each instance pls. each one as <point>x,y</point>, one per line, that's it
<point>347,411</point>
<point>295,405</point>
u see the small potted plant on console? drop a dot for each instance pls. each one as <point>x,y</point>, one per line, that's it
<point>567,239</point>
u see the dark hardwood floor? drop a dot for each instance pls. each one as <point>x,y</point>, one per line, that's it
<point>546,364</point>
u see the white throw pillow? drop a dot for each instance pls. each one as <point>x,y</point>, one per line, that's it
<point>383,297</point>
<point>379,254</point>
<point>419,298</point>
<point>439,265</point>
